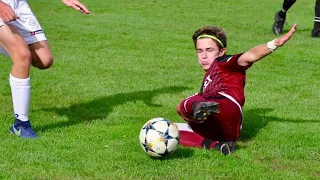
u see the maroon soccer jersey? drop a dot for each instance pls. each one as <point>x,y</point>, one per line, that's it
<point>227,76</point>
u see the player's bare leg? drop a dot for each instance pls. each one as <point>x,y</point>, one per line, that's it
<point>17,49</point>
<point>41,55</point>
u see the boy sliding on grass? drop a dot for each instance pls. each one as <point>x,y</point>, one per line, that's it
<point>22,38</point>
<point>214,115</point>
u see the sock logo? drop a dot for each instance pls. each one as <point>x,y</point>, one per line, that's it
<point>16,115</point>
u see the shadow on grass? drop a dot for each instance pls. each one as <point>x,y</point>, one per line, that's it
<point>101,107</point>
<point>257,119</point>
<point>180,153</point>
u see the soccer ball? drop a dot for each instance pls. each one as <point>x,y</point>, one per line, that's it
<point>159,137</point>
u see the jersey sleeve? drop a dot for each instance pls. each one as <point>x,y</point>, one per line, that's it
<point>231,62</point>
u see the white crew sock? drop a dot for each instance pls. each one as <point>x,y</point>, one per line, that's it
<point>20,89</point>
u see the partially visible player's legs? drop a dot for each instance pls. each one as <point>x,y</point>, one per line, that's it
<point>12,42</point>
<point>41,54</point>
<point>223,125</point>
<point>316,27</point>
<point>280,17</point>
<point>189,138</point>
<point>285,7</point>
<point>26,30</point>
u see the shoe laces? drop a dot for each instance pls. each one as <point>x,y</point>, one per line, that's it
<point>26,124</point>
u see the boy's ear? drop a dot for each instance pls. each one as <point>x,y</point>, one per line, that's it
<point>222,52</point>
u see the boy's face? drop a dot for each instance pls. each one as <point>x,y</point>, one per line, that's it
<point>208,52</point>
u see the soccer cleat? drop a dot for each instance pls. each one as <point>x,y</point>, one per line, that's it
<point>315,33</point>
<point>226,148</point>
<point>278,24</point>
<point>205,109</point>
<point>23,129</point>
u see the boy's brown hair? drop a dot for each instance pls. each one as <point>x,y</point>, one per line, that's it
<point>213,31</point>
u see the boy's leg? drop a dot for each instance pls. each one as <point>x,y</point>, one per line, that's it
<point>316,27</point>
<point>222,126</point>
<point>14,45</point>
<point>215,129</point>
<point>41,57</point>
<point>188,138</point>
<point>14,37</point>
<point>285,7</point>
<point>41,54</point>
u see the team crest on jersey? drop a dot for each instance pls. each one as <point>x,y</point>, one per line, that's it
<point>206,83</point>
<point>33,33</point>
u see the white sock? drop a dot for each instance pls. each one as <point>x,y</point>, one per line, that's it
<point>184,127</point>
<point>20,89</point>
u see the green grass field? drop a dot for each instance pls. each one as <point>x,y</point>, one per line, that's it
<point>130,61</point>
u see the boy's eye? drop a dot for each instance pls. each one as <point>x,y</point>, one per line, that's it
<point>199,51</point>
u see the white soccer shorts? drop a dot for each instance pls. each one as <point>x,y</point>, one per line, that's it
<point>27,24</point>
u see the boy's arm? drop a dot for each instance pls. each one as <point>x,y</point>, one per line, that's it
<point>260,51</point>
<point>77,5</point>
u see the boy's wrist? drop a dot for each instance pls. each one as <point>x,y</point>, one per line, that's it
<point>272,46</point>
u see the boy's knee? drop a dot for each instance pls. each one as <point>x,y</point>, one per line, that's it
<point>43,63</point>
<point>21,58</point>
